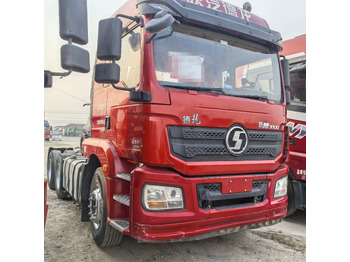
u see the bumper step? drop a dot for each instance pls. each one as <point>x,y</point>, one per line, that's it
<point>124,199</point>
<point>124,176</point>
<point>120,225</point>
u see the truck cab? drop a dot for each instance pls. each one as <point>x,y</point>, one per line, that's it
<point>191,141</point>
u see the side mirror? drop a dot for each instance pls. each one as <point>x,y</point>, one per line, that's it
<point>135,41</point>
<point>286,73</point>
<point>109,48</point>
<point>109,39</point>
<point>288,99</point>
<point>73,28</point>
<point>107,73</point>
<point>161,21</point>
<point>75,58</point>
<point>73,21</point>
<point>47,79</point>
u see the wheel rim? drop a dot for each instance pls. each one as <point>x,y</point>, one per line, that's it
<point>96,207</point>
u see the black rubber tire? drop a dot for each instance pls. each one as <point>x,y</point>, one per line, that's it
<point>291,201</point>
<point>60,191</point>
<point>51,168</point>
<point>81,142</point>
<point>105,235</point>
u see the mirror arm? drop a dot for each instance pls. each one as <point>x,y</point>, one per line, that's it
<point>137,19</point>
<point>59,74</point>
<point>123,88</point>
<point>149,40</point>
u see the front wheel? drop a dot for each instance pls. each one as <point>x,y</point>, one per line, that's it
<point>103,234</point>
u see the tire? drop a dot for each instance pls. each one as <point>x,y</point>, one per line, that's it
<point>81,142</point>
<point>103,234</point>
<point>51,168</point>
<point>60,191</point>
<point>291,201</point>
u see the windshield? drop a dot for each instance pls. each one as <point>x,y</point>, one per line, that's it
<point>191,58</point>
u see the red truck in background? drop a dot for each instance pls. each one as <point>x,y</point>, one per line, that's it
<point>295,51</point>
<point>47,130</point>
<point>189,134</point>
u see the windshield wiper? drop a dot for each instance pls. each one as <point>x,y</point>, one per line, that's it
<point>220,90</point>
<point>262,98</point>
<point>196,88</point>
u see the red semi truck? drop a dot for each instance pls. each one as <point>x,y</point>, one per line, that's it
<point>295,51</point>
<point>188,125</point>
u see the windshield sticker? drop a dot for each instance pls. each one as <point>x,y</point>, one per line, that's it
<point>223,7</point>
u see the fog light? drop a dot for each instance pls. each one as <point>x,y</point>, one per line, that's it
<point>281,187</point>
<point>156,197</point>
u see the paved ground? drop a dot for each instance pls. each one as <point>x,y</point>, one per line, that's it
<point>68,239</point>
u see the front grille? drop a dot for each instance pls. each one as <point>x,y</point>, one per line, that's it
<point>257,184</point>
<point>210,196</point>
<point>213,187</point>
<point>208,144</point>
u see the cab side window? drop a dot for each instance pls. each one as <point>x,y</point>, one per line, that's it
<point>130,61</point>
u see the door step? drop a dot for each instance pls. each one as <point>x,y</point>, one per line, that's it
<point>120,225</point>
<point>124,199</point>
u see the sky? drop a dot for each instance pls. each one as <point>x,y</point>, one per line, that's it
<point>63,103</point>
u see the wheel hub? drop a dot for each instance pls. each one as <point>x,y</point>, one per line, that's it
<point>96,205</point>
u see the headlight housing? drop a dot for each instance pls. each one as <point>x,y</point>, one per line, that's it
<point>159,197</point>
<point>281,187</point>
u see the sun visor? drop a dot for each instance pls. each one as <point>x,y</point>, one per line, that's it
<point>216,13</point>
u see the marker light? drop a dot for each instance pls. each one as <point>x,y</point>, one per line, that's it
<point>281,187</point>
<point>156,197</point>
<point>247,6</point>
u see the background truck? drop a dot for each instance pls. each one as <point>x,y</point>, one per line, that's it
<point>47,130</point>
<point>295,51</point>
<point>188,124</point>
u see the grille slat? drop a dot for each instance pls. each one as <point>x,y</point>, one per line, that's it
<point>207,134</point>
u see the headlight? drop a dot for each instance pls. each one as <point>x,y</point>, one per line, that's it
<point>156,197</point>
<point>281,187</point>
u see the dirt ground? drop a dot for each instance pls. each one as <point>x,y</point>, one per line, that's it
<point>68,239</point>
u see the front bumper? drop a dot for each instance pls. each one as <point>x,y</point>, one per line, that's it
<point>193,222</point>
<point>198,230</point>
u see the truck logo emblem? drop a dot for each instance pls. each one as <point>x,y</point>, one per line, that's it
<point>268,126</point>
<point>186,120</point>
<point>236,140</point>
